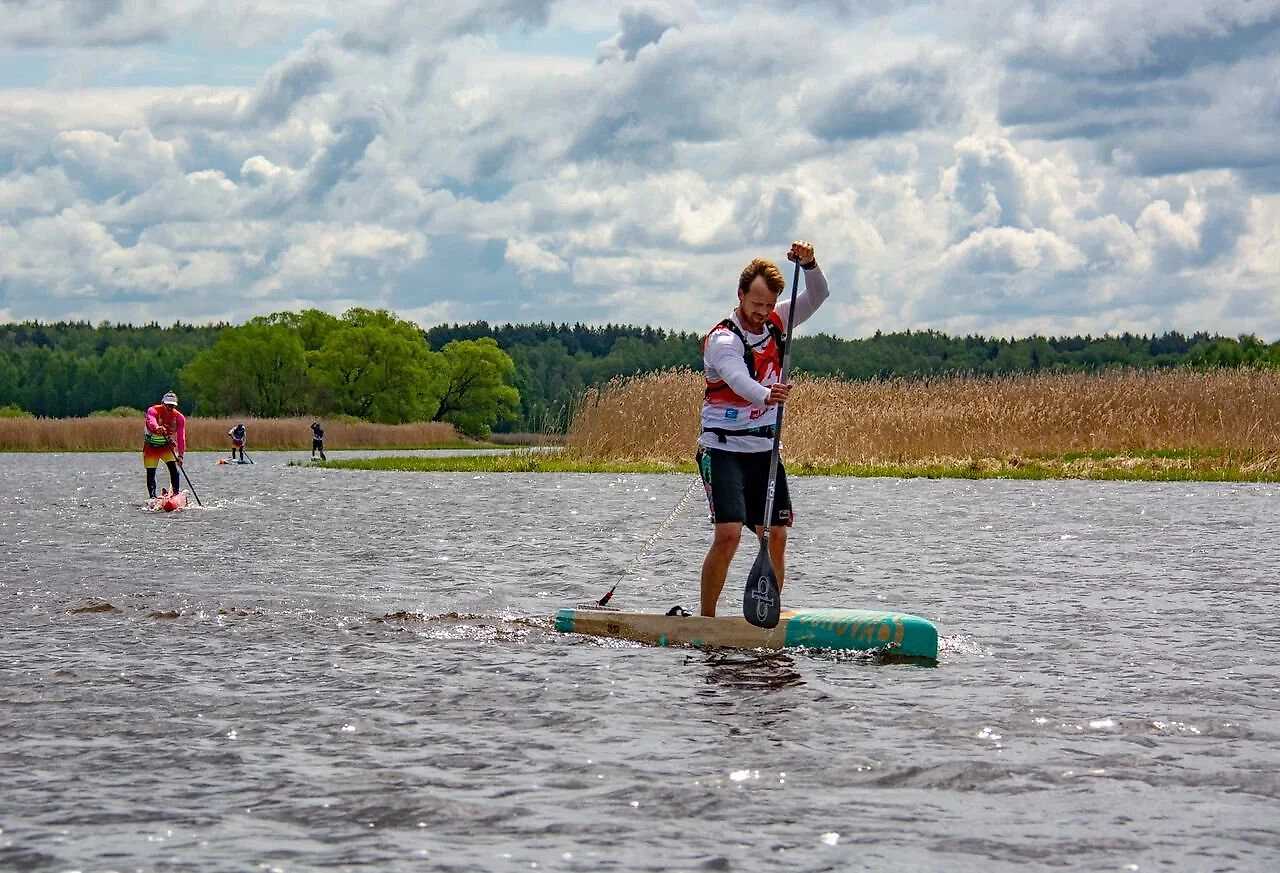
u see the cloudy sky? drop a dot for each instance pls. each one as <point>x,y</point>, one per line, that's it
<point>1004,167</point>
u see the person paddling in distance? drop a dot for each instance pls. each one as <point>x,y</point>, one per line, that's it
<point>164,438</point>
<point>317,440</point>
<point>742,363</point>
<point>237,435</point>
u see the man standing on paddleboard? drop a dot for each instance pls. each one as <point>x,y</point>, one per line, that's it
<point>742,363</point>
<point>164,438</point>
<point>238,435</point>
<point>317,440</point>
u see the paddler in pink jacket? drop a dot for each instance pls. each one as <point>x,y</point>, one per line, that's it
<point>164,439</point>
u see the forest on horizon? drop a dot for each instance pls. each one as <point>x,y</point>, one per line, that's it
<point>312,363</point>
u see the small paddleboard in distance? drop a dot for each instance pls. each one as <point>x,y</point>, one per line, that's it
<point>896,633</point>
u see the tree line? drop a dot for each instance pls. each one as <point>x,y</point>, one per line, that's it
<point>368,364</point>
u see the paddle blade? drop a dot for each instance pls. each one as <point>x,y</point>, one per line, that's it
<point>762,602</point>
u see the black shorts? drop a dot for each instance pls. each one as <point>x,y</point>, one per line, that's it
<point>737,484</point>
<point>316,445</point>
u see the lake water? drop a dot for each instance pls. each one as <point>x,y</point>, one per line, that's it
<point>340,670</point>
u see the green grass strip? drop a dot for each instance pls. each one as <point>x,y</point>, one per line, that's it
<point>1195,466</point>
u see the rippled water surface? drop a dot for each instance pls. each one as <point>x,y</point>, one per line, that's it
<point>335,670</point>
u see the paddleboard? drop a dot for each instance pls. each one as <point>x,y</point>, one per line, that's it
<point>167,502</point>
<point>895,633</point>
<point>225,462</point>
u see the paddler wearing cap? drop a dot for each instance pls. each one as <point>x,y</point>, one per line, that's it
<point>164,439</point>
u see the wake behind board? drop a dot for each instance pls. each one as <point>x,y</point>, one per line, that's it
<point>898,633</point>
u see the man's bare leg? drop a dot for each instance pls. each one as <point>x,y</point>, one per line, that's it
<point>715,567</point>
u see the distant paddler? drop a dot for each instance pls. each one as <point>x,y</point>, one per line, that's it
<point>164,439</point>
<point>317,440</point>
<point>238,436</point>
<point>742,362</point>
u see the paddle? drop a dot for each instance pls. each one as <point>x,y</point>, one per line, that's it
<point>762,601</point>
<point>190,487</point>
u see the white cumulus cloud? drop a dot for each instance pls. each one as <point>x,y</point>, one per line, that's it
<point>996,168</point>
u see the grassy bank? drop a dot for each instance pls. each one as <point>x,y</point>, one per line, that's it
<point>909,420</point>
<point>1153,467</point>
<point>205,434</point>
<point>1221,425</point>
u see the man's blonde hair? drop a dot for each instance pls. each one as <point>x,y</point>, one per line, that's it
<point>762,267</point>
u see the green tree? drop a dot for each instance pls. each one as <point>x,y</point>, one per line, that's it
<point>12,377</point>
<point>313,325</point>
<point>379,368</point>
<point>1272,356</point>
<point>257,369</point>
<point>548,379</point>
<point>480,391</point>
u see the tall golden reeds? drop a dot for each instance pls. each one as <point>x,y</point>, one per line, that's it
<point>828,421</point>
<point>203,434</point>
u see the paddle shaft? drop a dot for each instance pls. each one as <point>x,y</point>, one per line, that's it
<point>183,470</point>
<point>189,485</point>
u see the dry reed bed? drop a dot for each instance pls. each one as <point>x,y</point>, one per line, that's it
<point>828,421</point>
<point>125,434</point>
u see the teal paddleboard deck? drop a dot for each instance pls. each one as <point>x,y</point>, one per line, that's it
<point>896,633</point>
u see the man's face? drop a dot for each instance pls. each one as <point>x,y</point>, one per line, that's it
<point>756,304</point>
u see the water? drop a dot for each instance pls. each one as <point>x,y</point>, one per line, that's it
<point>333,670</point>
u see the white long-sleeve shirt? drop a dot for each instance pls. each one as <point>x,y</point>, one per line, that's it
<point>724,360</point>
